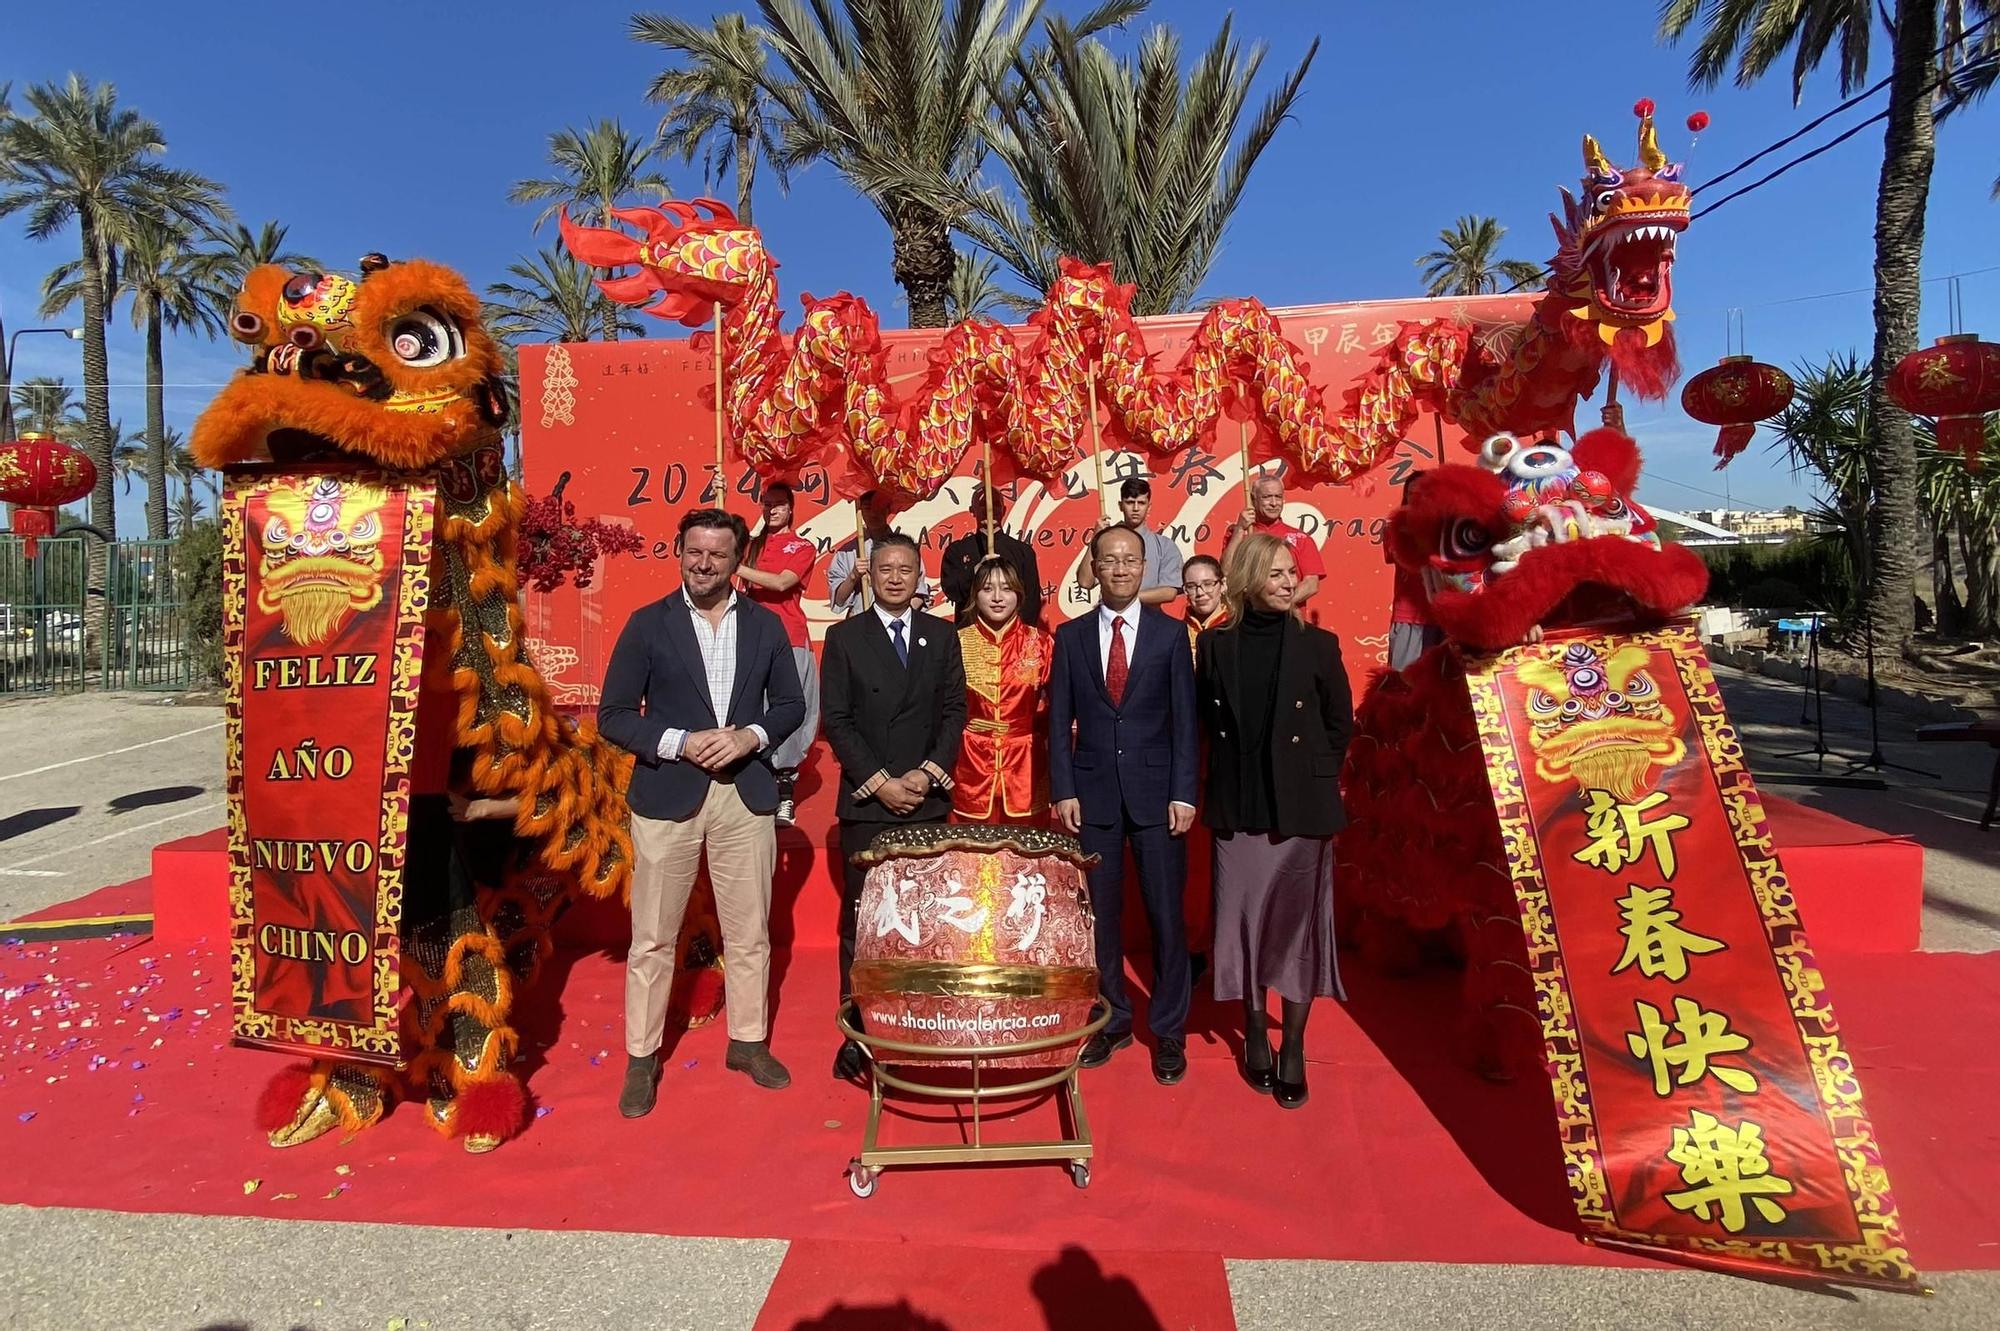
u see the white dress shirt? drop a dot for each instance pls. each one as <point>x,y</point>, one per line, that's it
<point>907,619</point>
<point>718,660</point>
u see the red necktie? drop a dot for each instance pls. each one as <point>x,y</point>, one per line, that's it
<point>1114,673</point>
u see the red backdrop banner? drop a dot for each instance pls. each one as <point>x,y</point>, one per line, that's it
<point>634,426</point>
<point>326,580</point>
<point>1706,1102</point>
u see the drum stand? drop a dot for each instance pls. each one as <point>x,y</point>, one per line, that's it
<point>864,1169</point>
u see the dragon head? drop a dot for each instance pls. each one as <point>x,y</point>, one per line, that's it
<point>688,260</point>
<point>1540,535</point>
<point>392,368</point>
<point>1615,244</point>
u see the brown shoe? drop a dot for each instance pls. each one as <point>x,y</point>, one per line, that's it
<point>641,1086</point>
<point>754,1057</point>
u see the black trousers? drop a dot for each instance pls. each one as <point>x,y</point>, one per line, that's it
<point>855,837</point>
<point>1162,864</point>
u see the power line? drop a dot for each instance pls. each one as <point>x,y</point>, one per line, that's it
<point>1802,158</point>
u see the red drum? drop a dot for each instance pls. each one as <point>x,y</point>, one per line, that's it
<point>975,935</point>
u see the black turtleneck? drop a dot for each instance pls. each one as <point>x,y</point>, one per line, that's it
<point>1261,643</point>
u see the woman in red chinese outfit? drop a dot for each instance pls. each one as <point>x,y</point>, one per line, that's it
<point>1002,774</point>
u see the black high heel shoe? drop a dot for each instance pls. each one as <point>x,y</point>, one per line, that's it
<point>1289,1094</point>
<point>1261,1079</point>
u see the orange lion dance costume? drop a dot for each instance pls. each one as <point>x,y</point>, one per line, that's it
<point>394,370</point>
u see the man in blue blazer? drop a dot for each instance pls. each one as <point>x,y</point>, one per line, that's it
<point>700,687</point>
<point>1127,777</point>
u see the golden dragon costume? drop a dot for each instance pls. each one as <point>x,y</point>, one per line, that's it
<point>393,369</point>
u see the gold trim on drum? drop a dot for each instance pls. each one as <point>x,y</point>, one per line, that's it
<point>950,979</point>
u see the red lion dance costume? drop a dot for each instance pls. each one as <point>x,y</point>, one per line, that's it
<point>395,371</point>
<point>1535,536</point>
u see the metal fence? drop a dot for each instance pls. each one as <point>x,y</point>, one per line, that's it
<point>49,641</point>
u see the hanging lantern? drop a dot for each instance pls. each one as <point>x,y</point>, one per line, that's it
<point>1956,382</point>
<point>1735,394</point>
<point>40,474</point>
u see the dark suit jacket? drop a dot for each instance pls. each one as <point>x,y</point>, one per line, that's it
<point>1311,722</point>
<point>962,556</point>
<point>657,663</point>
<point>880,715</point>
<point>1135,759</point>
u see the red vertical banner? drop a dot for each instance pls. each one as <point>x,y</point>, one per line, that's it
<point>1706,1103</point>
<point>325,581</point>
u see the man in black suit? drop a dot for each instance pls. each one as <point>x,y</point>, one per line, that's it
<point>700,687</point>
<point>1127,777</point>
<point>892,703</point>
<point>962,557</point>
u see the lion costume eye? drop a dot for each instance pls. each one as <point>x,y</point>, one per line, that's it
<point>424,338</point>
<point>1467,539</point>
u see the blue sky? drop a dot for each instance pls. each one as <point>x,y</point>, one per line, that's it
<point>399,128</point>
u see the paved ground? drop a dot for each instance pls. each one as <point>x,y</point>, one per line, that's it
<point>88,784</point>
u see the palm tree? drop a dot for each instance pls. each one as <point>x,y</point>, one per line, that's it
<point>893,93</point>
<point>1754,34</point>
<point>1464,262</point>
<point>46,405</point>
<point>6,370</point>
<point>716,103</point>
<point>555,301</point>
<point>975,294</point>
<point>182,467</point>
<point>1824,433</point>
<point>598,168</point>
<point>80,157</point>
<point>128,457</point>
<point>1124,161</point>
<point>172,287</point>
<point>234,250</point>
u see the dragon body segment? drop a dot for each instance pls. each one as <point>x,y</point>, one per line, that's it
<point>826,395</point>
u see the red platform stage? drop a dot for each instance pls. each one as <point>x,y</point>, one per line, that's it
<point>1859,890</point>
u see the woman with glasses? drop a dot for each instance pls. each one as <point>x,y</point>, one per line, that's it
<point>1277,713</point>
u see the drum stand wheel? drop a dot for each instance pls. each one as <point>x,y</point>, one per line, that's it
<point>911,1062</point>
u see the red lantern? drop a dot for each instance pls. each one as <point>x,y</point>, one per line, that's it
<point>1957,382</point>
<point>1736,394</point>
<point>41,474</point>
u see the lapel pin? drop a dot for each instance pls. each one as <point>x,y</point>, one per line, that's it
<point>923,642</point>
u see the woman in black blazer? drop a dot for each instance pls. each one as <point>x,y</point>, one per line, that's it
<point>1277,712</point>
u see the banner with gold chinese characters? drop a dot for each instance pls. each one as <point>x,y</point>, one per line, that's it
<point>325,581</point>
<point>1705,1101</point>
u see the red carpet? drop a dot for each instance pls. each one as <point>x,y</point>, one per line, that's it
<point>118,1089</point>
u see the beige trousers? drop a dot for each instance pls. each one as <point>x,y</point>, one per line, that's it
<point>742,853</point>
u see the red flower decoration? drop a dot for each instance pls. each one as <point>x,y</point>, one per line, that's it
<point>1643,107</point>
<point>1698,122</point>
<point>555,548</point>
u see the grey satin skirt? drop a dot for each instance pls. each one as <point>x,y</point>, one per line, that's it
<point>1274,917</point>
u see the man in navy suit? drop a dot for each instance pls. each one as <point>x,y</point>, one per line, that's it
<point>1127,777</point>
<point>700,687</point>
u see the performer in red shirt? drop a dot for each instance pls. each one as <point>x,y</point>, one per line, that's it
<point>774,575</point>
<point>1002,771</point>
<point>1267,514</point>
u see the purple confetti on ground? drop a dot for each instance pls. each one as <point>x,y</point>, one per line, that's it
<point>25,1115</point>
<point>690,1064</point>
<point>543,1111</point>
